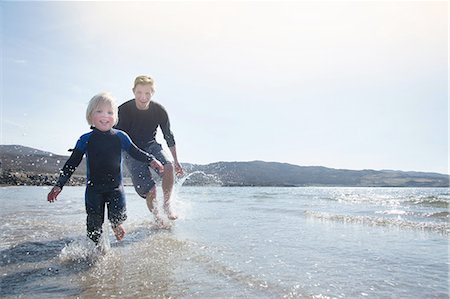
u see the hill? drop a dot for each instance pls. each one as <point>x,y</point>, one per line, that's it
<point>259,173</point>
<point>23,165</point>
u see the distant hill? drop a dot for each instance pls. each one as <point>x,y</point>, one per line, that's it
<point>36,167</point>
<point>21,165</point>
<point>259,173</point>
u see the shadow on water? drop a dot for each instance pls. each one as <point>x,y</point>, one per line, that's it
<point>26,265</point>
<point>38,267</point>
<point>32,252</point>
<point>140,233</point>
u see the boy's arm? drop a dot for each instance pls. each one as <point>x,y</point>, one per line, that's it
<point>69,168</point>
<point>137,153</point>
<point>140,155</point>
<point>65,174</point>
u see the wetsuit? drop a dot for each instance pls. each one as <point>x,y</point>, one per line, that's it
<point>104,175</point>
<point>141,126</point>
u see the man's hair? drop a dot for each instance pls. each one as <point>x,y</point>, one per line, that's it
<point>144,80</point>
<point>100,99</point>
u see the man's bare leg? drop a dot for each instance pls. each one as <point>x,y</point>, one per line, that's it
<point>152,205</point>
<point>167,186</point>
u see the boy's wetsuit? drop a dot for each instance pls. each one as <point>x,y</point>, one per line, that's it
<point>104,175</point>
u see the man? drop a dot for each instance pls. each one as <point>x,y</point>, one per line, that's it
<point>140,118</point>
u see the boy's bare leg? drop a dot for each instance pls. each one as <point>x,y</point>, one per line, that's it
<point>152,206</point>
<point>119,231</point>
<point>167,186</point>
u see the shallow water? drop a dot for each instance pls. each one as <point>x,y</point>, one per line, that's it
<point>232,243</point>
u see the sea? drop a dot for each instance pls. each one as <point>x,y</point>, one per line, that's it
<point>231,242</point>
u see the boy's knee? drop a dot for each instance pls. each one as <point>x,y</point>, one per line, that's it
<point>94,222</point>
<point>117,218</point>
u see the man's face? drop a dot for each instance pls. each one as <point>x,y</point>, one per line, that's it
<point>142,94</point>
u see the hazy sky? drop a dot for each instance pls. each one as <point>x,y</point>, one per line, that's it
<point>355,85</point>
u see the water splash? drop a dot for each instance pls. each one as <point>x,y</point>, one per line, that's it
<point>85,250</point>
<point>206,178</point>
<point>77,251</point>
<point>182,207</point>
<point>104,244</point>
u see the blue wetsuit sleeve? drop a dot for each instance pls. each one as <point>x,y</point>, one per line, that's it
<point>132,149</point>
<point>73,161</point>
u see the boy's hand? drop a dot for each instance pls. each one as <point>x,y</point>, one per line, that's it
<point>51,197</point>
<point>156,165</point>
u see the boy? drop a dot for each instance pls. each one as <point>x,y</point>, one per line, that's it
<point>102,147</point>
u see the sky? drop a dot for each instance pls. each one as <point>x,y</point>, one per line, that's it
<point>348,85</point>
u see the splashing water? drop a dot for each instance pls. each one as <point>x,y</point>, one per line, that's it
<point>85,250</point>
<point>77,251</point>
<point>273,243</point>
<point>183,207</point>
<point>208,178</point>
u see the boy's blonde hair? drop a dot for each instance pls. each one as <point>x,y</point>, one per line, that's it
<point>144,80</point>
<point>100,99</point>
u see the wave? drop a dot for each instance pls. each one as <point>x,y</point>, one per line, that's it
<point>438,215</point>
<point>441,200</point>
<point>431,201</point>
<point>443,228</point>
<point>263,196</point>
<point>441,215</point>
<point>393,212</point>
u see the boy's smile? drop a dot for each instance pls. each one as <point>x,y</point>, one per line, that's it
<point>103,117</point>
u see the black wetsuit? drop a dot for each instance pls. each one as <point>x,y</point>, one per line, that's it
<point>141,125</point>
<point>104,175</point>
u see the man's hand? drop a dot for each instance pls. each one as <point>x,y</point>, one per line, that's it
<point>53,194</point>
<point>178,169</point>
<point>156,165</point>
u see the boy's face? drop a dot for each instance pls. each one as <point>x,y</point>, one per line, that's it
<point>142,94</point>
<point>103,117</point>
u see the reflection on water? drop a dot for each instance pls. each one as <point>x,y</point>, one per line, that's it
<point>232,243</point>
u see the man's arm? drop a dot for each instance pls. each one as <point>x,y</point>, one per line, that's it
<point>123,123</point>
<point>178,168</point>
<point>170,139</point>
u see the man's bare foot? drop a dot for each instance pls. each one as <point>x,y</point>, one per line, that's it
<point>158,218</point>
<point>119,232</point>
<point>170,214</point>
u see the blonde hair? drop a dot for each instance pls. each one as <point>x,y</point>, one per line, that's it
<point>144,80</point>
<point>101,99</point>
